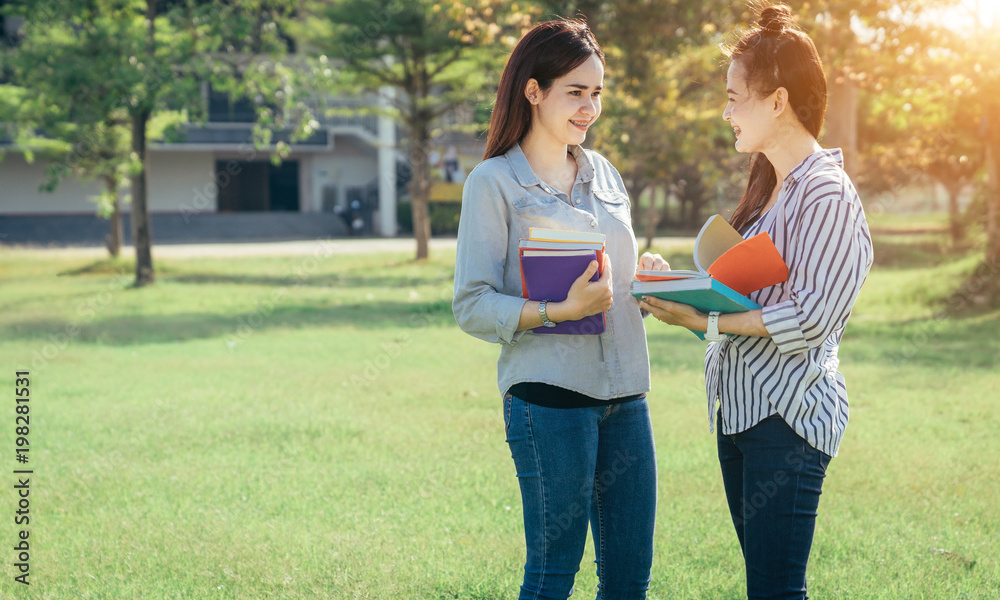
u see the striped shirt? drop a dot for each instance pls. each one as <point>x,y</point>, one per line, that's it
<point>819,227</point>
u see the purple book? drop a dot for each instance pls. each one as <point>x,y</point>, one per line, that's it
<point>548,274</point>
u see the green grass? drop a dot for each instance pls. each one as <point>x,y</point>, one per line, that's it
<point>320,428</point>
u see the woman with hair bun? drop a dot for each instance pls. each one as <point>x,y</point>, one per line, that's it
<point>771,375</point>
<point>574,406</point>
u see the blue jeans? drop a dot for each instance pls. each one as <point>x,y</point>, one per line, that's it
<point>579,467</point>
<point>773,480</point>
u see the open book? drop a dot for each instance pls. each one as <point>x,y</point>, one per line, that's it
<point>704,293</point>
<point>551,260</point>
<point>721,252</point>
<point>728,268</point>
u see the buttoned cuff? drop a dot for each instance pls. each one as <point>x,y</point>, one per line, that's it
<point>508,318</point>
<point>782,322</point>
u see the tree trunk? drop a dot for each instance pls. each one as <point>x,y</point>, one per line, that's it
<point>669,197</point>
<point>115,237</point>
<point>993,194</point>
<point>420,189</point>
<point>141,231</point>
<point>634,187</point>
<point>954,215</point>
<point>142,235</point>
<point>652,216</point>
<point>842,119</point>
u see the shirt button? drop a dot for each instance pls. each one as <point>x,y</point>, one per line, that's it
<point>593,224</point>
<point>577,200</point>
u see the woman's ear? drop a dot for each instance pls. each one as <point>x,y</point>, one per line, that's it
<point>532,92</point>
<point>780,99</point>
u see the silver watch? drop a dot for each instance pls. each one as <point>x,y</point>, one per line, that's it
<point>544,315</point>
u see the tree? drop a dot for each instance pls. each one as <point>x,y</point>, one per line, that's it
<point>985,75</point>
<point>435,55</point>
<point>938,118</point>
<point>863,44</point>
<point>127,61</point>
<point>80,134</point>
<point>922,127</point>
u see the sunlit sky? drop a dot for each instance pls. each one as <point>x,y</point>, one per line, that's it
<point>974,13</point>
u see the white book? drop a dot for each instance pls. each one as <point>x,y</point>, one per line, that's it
<point>559,235</point>
<point>541,245</point>
<point>532,252</point>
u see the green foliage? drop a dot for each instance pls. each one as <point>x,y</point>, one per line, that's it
<point>443,216</point>
<point>433,53</point>
<point>434,56</point>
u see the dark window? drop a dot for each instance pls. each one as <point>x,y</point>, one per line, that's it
<point>222,108</point>
<point>257,186</point>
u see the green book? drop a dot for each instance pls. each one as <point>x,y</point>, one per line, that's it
<point>704,293</point>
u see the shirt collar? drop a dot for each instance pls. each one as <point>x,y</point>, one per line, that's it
<point>526,176</point>
<point>828,156</point>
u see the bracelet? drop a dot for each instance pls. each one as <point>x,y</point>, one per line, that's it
<point>545,317</point>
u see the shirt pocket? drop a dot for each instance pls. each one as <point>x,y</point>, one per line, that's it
<point>528,204</point>
<point>616,203</point>
<point>532,211</point>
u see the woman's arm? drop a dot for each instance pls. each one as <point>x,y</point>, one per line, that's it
<point>480,308</point>
<point>675,313</point>
<point>826,267</point>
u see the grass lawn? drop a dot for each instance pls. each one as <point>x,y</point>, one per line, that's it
<point>318,427</point>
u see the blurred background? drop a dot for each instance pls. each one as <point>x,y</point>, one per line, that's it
<point>244,120</point>
<point>247,419</point>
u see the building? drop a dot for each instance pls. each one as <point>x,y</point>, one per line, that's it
<point>209,183</point>
<point>213,185</point>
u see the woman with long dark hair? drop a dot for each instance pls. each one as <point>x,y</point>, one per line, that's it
<point>574,406</point>
<point>773,383</point>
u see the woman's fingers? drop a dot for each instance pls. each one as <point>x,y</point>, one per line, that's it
<point>652,262</point>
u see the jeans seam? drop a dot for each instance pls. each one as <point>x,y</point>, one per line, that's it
<point>541,477</point>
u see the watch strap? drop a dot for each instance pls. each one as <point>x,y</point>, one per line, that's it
<point>544,315</point>
<point>712,333</point>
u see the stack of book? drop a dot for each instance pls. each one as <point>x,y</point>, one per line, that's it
<point>728,268</point>
<point>551,260</point>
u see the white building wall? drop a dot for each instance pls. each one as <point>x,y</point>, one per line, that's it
<point>186,181</point>
<point>351,164</point>
<point>177,181</point>
<point>183,181</point>
<point>19,181</point>
<point>307,198</point>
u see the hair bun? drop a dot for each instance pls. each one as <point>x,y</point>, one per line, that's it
<point>775,19</point>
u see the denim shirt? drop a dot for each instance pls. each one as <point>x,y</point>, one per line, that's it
<point>501,200</point>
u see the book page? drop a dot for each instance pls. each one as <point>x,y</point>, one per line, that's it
<point>559,235</point>
<point>715,238</point>
<point>751,265</point>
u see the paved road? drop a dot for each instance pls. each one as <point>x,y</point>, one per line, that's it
<point>297,248</point>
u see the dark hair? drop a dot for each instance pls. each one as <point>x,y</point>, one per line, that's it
<point>546,53</point>
<point>776,54</point>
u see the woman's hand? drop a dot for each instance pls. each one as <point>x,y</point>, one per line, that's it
<point>585,297</point>
<point>675,313</point>
<point>652,262</point>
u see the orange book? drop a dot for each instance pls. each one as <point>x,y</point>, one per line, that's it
<point>722,253</point>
